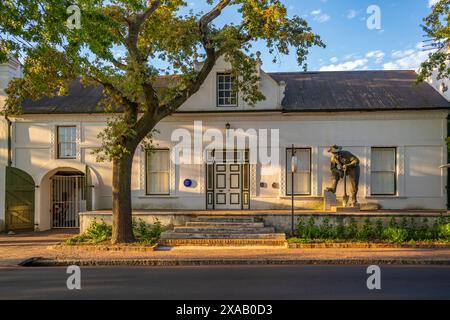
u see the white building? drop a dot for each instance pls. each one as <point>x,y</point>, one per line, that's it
<point>396,129</point>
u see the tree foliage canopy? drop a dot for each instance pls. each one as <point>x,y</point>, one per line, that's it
<point>124,45</point>
<point>437,28</point>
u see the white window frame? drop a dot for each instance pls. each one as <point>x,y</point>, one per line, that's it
<point>58,142</point>
<point>288,172</point>
<point>395,172</point>
<point>146,174</point>
<point>218,90</point>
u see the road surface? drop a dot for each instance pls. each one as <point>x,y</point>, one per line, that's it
<point>227,282</point>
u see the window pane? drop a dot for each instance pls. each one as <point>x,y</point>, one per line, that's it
<point>383,183</point>
<point>67,137</point>
<point>158,167</point>
<point>383,171</point>
<point>302,177</point>
<point>225,94</point>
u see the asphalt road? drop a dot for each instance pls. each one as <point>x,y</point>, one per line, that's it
<point>227,282</point>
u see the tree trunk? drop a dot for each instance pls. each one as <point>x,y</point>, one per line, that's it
<point>122,231</point>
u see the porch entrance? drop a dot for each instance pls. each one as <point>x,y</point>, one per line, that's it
<point>68,190</point>
<point>228,180</point>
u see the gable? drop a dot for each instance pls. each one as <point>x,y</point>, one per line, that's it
<point>206,98</point>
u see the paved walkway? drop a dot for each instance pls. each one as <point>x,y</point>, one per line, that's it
<point>24,245</point>
<point>16,248</point>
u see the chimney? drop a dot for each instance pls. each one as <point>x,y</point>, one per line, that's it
<point>8,70</point>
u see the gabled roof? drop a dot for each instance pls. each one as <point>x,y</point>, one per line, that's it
<point>357,90</point>
<point>305,92</point>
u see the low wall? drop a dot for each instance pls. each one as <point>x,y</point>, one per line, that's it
<point>281,220</point>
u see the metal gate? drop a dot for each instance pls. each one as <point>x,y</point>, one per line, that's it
<point>19,202</point>
<point>68,200</point>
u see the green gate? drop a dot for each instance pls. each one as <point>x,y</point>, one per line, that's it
<point>19,202</point>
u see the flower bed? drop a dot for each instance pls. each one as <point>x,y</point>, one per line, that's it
<point>99,234</point>
<point>396,232</point>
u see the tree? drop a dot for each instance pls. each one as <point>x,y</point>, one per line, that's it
<point>437,29</point>
<point>121,46</point>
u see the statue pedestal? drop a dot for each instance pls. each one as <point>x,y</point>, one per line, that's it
<point>329,200</point>
<point>347,209</point>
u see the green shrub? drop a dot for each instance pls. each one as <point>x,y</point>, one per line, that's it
<point>99,232</point>
<point>444,231</point>
<point>352,232</point>
<point>147,233</point>
<point>326,229</point>
<point>366,232</point>
<point>378,232</point>
<point>340,231</point>
<point>395,235</point>
<point>406,230</point>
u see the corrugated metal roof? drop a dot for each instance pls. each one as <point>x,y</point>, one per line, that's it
<point>305,91</point>
<point>357,90</point>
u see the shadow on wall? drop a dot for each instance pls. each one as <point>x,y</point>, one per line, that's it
<point>2,225</point>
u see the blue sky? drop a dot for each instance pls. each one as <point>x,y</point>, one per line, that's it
<point>351,45</point>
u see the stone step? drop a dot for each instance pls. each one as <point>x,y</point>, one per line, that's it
<point>224,229</point>
<point>201,235</point>
<point>225,224</point>
<point>224,219</point>
<point>225,242</point>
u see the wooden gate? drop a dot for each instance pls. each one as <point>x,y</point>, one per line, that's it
<point>19,200</point>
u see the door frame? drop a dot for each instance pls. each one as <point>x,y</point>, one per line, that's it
<point>210,186</point>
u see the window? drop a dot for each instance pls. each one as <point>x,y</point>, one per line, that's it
<point>383,171</point>
<point>226,96</point>
<point>157,171</point>
<point>67,142</point>
<point>302,177</point>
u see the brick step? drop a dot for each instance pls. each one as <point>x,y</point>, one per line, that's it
<point>201,235</point>
<point>224,229</point>
<point>225,224</point>
<point>224,219</point>
<point>224,242</point>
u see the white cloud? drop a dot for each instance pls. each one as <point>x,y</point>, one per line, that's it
<point>359,64</point>
<point>334,60</point>
<point>378,55</point>
<point>409,59</point>
<point>432,3</point>
<point>351,14</point>
<point>319,16</point>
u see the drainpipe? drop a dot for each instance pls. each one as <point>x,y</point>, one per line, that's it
<point>9,141</point>
<point>448,161</point>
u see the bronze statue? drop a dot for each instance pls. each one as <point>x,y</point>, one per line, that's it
<point>344,164</point>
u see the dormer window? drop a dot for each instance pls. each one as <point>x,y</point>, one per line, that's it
<point>226,96</point>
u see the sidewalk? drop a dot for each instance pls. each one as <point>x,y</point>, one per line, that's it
<point>17,248</point>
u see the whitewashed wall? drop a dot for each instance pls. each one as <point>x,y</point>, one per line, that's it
<point>7,72</point>
<point>417,135</point>
<point>205,98</point>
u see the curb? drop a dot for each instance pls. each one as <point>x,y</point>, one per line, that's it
<point>43,262</point>
<point>102,248</point>
<point>366,245</point>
